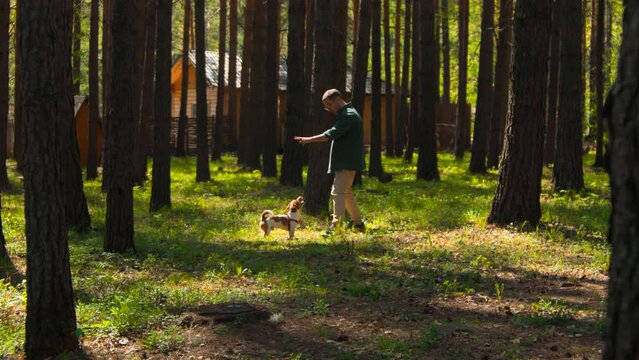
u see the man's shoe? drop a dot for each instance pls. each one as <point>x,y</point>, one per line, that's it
<point>329,231</point>
<point>360,227</point>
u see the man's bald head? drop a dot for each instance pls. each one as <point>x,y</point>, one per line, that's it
<point>331,94</point>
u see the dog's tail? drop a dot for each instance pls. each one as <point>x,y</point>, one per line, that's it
<point>266,214</point>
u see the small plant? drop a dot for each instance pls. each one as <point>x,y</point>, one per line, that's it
<point>429,338</point>
<point>499,291</point>
<point>166,340</point>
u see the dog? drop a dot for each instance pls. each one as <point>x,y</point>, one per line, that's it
<point>289,222</point>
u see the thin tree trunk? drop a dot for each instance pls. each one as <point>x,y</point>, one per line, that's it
<point>502,83</point>
<point>5,8</point>
<point>592,65</point>
<point>77,45</point>
<point>138,67</point>
<point>360,71</point>
<point>293,159</point>
<point>445,52</point>
<point>427,162</point>
<point>6,266</point>
<point>356,4</point>
<point>216,149</point>
<point>402,108</point>
<point>180,148</point>
<point>148,93</point>
<point>45,57</point>
<point>375,167</point>
<point>568,167</point>
<point>414,86</point>
<point>329,71</point>
<point>483,110</point>
<point>518,191</point>
<point>202,167</point>
<point>599,83</point>
<point>398,80</point>
<point>553,86</point>
<point>18,133</point>
<point>257,120</point>
<point>119,215</point>
<point>107,78</point>
<point>232,112</point>
<point>161,179</point>
<point>94,92</point>
<point>462,110</point>
<point>388,85</point>
<point>269,161</point>
<point>621,332</point>
<point>245,81</point>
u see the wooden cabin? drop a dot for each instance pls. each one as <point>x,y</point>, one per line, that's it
<point>81,111</point>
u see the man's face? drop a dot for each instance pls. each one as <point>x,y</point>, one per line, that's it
<point>329,105</point>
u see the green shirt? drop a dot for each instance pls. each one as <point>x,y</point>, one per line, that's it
<point>347,145</point>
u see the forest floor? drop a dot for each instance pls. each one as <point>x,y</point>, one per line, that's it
<point>428,280</point>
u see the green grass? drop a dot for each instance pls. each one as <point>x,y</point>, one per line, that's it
<point>423,238</point>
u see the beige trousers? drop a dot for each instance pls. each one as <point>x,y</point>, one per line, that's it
<point>343,197</point>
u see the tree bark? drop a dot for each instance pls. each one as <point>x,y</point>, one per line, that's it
<point>94,92</point>
<point>427,161</point>
<point>180,148</point>
<point>599,83</point>
<point>517,196</point>
<point>388,85</point>
<point>329,71</point>
<point>161,180</point>
<point>257,120</point>
<point>216,149</point>
<point>269,161</point>
<point>119,215</point>
<point>445,52</point>
<point>107,78</point>
<point>375,167</point>
<point>148,93</point>
<point>363,46</point>
<point>202,167</point>
<point>77,45</point>
<point>293,159</point>
<point>414,86</point>
<point>398,80</point>
<point>483,110</point>
<point>18,133</point>
<point>245,81</point>
<point>5,8</point>
<point>232,112</point>
<point>138,67</point>
<point>568,167</point>
<point>591,63</point>
<point>553,83</point>
<point>45,57</point>
<point>402,108</point>
<point>502,83</point>
<point>622,336</point>
<point>462,111</point>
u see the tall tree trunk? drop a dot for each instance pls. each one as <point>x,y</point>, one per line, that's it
<point>445,52</point>
<point>45,57</point>
<point>180,148</point>
<point>502,83</point>
<point>18,132</point>
<point>257,120</point>
<point>388,85</point>
<point>119,215</point>
<point>148,93</point>
<point>360,70</point>
<point>462,110</point>
<point>232,112</point>
<point>483,110</point>
<point>375,167</point>
<point>427,162</point>
<point>293,159</point>
<point>94,92</point>
<point>402,108</point>
<point>329,71</point>
<point>269,161</point>
<point>517,196</point>
<point>161,183</point>
<point>77,45</point>
<point>138,82</point>
<point>413,119</point>
<point>216,149</point>
<point>245,81</point>
<point>592,64</point>
<point>5,8</point>
<point>398,80</point>
<point>553,83</point>
<point>599,82</point>
<point>356,4</point>
<point>622,334</point>
<point>107,79</point>
<point>309,42</point>
<point>202,167</point>
<point>568,168</point>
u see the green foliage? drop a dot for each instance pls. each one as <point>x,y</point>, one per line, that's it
<point>165,340</point>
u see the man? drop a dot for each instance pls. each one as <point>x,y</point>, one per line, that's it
<point>346,157</point>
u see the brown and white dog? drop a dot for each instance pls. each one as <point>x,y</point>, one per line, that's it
<point>289,221</point>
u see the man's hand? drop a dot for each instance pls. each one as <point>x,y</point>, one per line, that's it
<point>312,139</point>
<point>302,140</point>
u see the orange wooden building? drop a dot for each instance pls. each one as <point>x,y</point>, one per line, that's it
<point>81,111</point>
